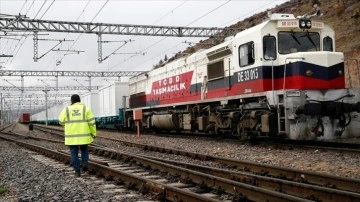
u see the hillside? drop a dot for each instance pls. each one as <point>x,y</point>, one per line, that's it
<point>342,15</point>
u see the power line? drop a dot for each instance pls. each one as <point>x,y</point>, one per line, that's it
<point>66,53</point>
<point>40,8</point>
<point>32,4</point>
<point>47,9</point>
<point>209,12</point>
<point>99,11</point>
<point>130,57</point>
<point>82,33</point>
<point>152,45</point>
<point>172,11</point>
<point>23,6</point>
<point>244,15</point>
<point>192,23</point>
<point>25,32</point>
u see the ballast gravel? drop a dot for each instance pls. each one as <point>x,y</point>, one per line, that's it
<point>29,180</point>
<point>26,179</point>
<point>337,163</point>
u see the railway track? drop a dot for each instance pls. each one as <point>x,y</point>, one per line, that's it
<point>276,142</point>
<point>102,169</point>
<point>309,144</point>
<point>274,171</point>
<point>134,175</point>
<point>308,185</point>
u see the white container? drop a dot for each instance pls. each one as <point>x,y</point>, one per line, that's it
<point>91,100</point>
<point>111,98</point>
<point>51,113</point>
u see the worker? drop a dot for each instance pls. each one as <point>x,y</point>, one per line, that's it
<point>80,131</point>
<point>31,128</point>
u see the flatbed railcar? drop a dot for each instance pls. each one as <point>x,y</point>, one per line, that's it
<point>279,78</point>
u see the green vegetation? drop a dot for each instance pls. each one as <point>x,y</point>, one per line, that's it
<point>3,190</point>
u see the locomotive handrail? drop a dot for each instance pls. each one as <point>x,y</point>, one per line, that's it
<point>272,79</point>
<point>284,81</point>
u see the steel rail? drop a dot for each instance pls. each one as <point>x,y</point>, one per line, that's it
<point>321,179</point>
<point>340,183</point>
<point>170,193</point>
<point>218,183</point>
<point>255,193</point>
<point>252,192</point>
<point>275,184</point>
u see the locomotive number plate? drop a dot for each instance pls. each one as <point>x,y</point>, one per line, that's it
<point>294,93</point>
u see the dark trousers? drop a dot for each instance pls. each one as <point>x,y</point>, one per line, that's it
<point>74,149</point>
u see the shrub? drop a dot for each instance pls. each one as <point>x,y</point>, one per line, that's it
<point>3,190</point>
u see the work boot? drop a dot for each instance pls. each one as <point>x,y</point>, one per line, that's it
<point>85,169</point>
<point>77,173</point>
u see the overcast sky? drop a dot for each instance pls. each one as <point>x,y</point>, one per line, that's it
<point>192,13</point>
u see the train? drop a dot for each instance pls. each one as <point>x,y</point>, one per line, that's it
<point>24,118</point>
<point>281,78</point>
<point>106,104</point>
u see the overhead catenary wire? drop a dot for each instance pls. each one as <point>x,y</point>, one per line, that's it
<point>40,9</point>
<point>19,40</point>
<point>170,12</point>
<point>82,33</point>
<point>25,32</point>
<point>66,53</point>
<point>144,50</point>
<point>47,9</point>
<point>254,10</point>
<point>163,16</point>
<point>209,12</point>
<point>22,37</point>
<point>159,41</point>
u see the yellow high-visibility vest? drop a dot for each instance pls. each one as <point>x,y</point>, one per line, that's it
<point>79,124</point>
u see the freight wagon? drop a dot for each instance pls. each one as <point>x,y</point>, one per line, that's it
<point>24,118</point>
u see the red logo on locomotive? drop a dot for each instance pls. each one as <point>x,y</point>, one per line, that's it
<point>172,85</point>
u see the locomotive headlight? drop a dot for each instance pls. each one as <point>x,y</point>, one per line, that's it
<point>340,72</point>
<point>305,23</point>
<point>309,73</point>
<point>302,24</point>
<point>308,24</point>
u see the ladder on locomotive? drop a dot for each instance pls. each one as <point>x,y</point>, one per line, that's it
<point>281,112</point>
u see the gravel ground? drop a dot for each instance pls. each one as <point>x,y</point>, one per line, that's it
<point>26,179</point>
<point>331,162</point>
<point>29,180</point>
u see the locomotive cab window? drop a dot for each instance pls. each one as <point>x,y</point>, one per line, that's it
<point>292,42</point>
<point>246,54</point>
<point>269,47</point>
<point>328,44</point>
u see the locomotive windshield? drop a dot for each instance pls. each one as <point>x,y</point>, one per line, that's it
<point>292,42</point>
